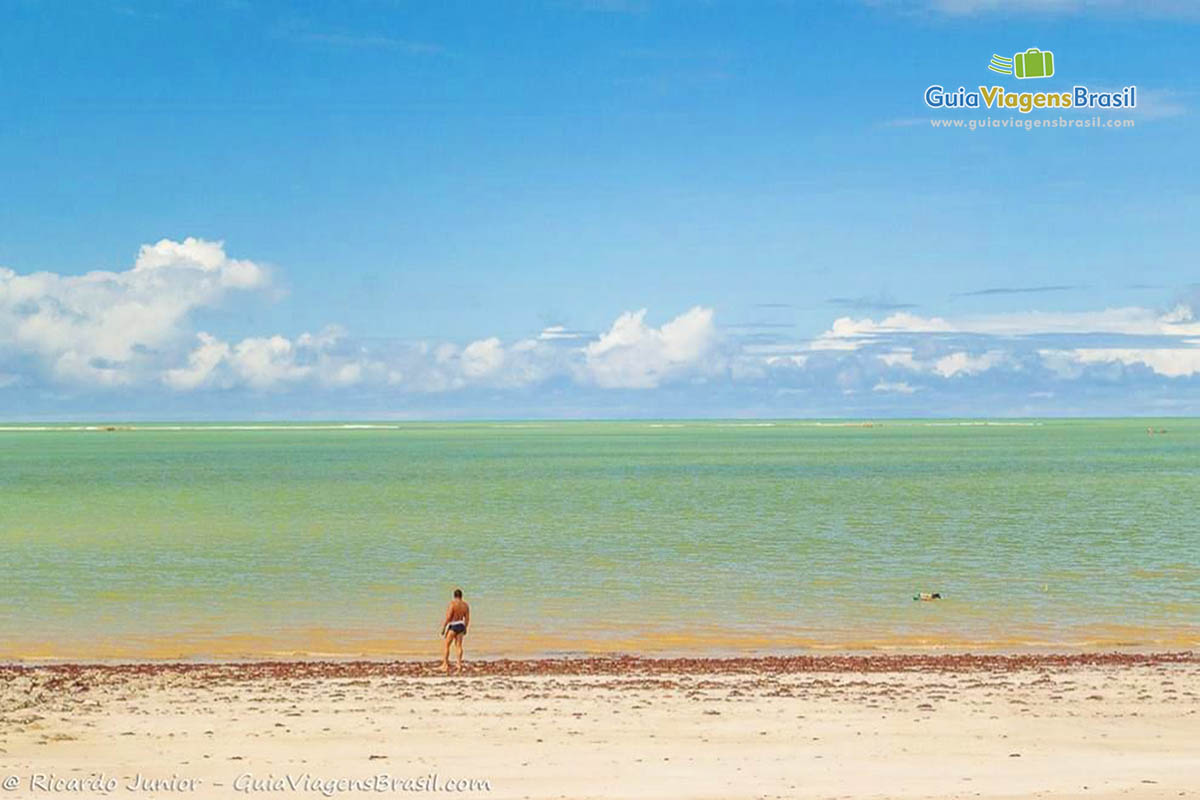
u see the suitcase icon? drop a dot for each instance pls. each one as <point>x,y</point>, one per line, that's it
<point>1034,63</point>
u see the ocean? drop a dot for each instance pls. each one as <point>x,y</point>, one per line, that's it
<point>714,537</point>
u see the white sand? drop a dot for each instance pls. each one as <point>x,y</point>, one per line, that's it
<point>1071,732</point>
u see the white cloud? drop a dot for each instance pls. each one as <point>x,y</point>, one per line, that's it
<point>961,363</point>
<point>202,362</point>
<point>270,363</point>
<point>1005,333</point>
<point>1171,362</point>
<point>1177,324</point>
<point>633,355</point>
<point>555,332</point>
<point>198,254</point>
<point>266,362</point>
<point>134,329</point>
<point>483,357</point>
<point>847,333</point>
<point>630,355</point>
<point>107,328</point>
<point>893,387</point>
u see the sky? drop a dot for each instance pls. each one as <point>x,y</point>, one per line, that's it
<point>591,208</point>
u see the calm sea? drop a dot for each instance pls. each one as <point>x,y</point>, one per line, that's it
<point>714,537</point>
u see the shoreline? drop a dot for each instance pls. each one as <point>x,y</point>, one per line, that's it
<point>163,651</point>
<point>621,664</point>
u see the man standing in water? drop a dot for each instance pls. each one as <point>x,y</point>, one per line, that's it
<point>454,628</point>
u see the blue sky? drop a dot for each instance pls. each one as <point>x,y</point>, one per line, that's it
<point>238,210</point>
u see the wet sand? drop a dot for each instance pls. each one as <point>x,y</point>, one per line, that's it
<point>943,726</point>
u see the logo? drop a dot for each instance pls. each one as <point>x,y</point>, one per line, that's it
<point>1033,63</point>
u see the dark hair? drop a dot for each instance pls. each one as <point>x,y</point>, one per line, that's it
<point>458,592</point>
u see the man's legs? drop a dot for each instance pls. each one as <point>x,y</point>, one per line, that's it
<point>458,642</point>
<point>446,651</point>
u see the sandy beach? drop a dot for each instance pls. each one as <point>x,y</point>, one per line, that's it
<point>1072,726</point>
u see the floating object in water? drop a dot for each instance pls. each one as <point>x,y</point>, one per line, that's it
<point>928,596</point>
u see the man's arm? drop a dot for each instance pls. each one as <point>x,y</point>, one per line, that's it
<point>467,618</point>
<point>446,619</point>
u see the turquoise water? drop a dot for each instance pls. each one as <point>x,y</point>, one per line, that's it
<point>584,537</point>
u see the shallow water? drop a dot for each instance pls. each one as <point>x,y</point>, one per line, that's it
<point>686,537</point>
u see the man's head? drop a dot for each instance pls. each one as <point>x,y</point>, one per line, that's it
<point>458,594</point>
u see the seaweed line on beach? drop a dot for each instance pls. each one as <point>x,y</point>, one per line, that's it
<point>67,673</point>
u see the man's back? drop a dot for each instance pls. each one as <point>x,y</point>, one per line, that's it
<point>454,628</point>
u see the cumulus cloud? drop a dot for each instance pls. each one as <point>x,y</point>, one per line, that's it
<point>1171,362</point>
<point>136,330</point>
<point>1165,343</point>
<point>268,363</point>
<point>109,328</point>
<point>483,357</point>
<point>962,363</point>
<point>202,362</point>
<point>633,355</point>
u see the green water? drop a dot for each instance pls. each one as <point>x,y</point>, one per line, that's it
<point>702,536</point>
